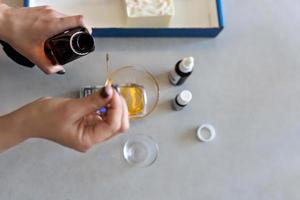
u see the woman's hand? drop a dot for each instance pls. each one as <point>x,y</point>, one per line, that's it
<point>71,122</point>
<point>27,29</point>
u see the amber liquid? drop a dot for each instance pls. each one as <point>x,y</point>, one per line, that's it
<point>135,97</point>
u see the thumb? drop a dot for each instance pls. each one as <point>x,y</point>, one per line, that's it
<point>95,101</point>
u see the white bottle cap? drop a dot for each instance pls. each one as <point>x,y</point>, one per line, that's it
<point>187,65</point>
<point>206,133</point>
<point>184,97</point>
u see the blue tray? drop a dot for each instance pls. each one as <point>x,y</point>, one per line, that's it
<point>160,32</point>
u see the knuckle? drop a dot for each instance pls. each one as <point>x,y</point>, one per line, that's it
<point>84,147</point>
<point>46,7</point>
<point>47,71</point>
<point>49,14</point>
<point>68,110</point>
<point>82,150</point>
<point>79,19</point>
<point>44,98</point>
<point>43,8</point>
<point>115,127</point>
<point>48,10</point>
<point>124,128</point>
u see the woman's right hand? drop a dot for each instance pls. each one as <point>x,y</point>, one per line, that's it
<point>27,29</point>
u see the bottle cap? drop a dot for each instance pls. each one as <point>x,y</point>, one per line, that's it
<point>206,133</point>
<point>184,97</point>
<point>187,64</point>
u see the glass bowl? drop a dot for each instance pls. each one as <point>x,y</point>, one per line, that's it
<point>130,75</point>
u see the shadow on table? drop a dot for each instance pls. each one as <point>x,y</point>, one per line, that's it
<point>163,81</point>
<point>188,138</point>
<point>70,94</point>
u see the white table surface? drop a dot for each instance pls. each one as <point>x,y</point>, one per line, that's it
<point>246,83</point>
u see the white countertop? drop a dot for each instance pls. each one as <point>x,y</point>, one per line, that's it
<point>246,83</point>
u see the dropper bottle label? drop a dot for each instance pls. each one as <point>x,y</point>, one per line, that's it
<point>182,70</point>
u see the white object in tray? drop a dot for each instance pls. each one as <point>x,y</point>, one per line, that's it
<point>149,13</point>
<point>111,13</point>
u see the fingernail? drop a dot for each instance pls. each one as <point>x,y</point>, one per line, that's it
<point>116,87</point>
<point>105,92</point>
<point>61,72</point>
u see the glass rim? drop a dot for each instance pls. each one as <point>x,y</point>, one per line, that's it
<point>132,137</point>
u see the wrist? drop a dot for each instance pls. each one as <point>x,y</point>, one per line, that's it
<point>10,132</point>
<point>3,21</point>
<point>12,125</point>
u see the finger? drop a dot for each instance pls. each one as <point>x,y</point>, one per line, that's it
<point>125,119</point>
<point>69,22</point>
<point>124,123</point>
<point>43,99</point>
<point>112,123</point>
<point>40,100</point>
<point>114,114</point>
<point>45,7</point>
<point>92,119</point>
<point>44,10</point>
<point>56,69</point>
<point>50,69</point>
<point>59,14</point>
<point>93,102</point>
<point>42,61</point>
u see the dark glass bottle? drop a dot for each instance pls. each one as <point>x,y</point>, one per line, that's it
<point>182,100</point>
<point>69,45</point>
<point>182,70</point>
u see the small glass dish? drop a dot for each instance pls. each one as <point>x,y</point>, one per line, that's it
<point>139,88</point>
<point>140,150</point>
